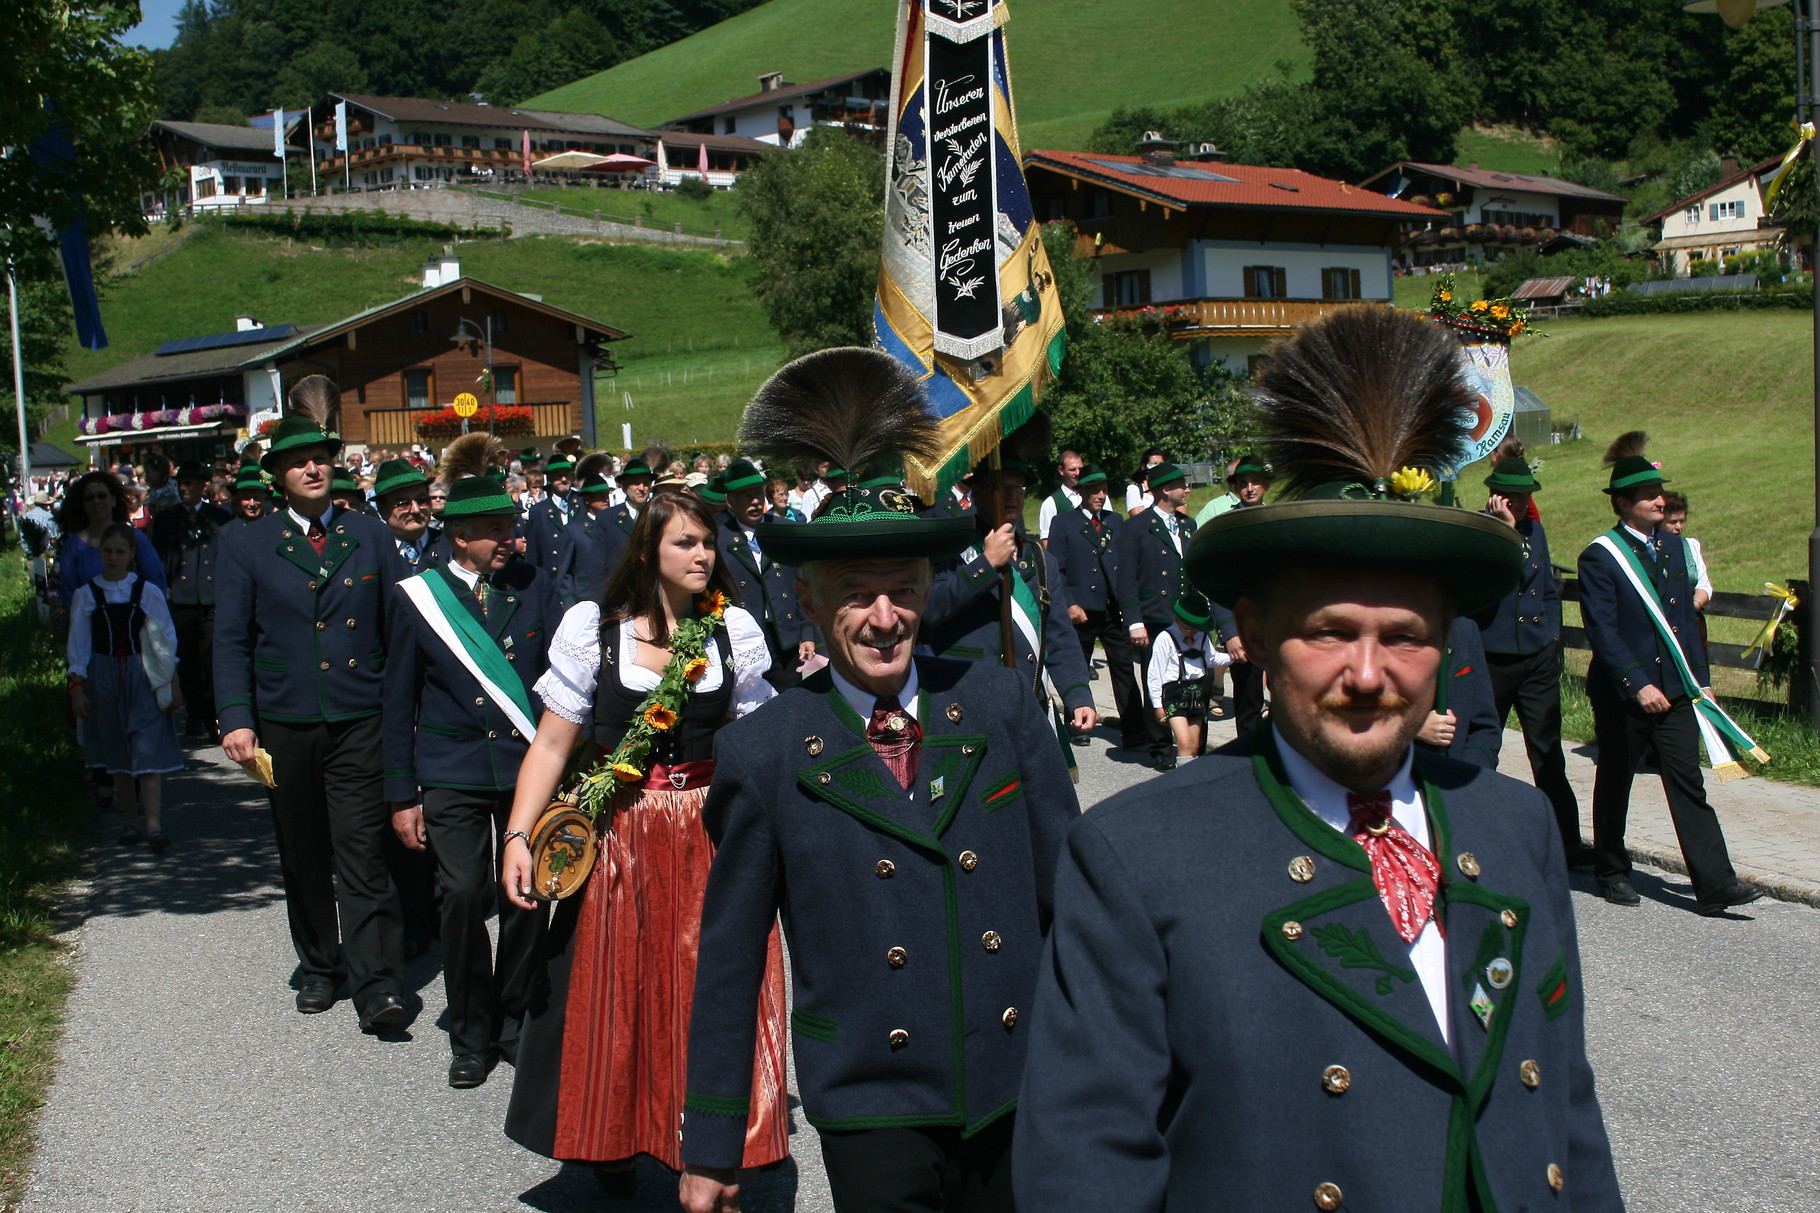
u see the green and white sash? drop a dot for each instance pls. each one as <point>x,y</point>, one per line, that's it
<point>1725,741</point>
<point>1027,618</point>
<point>457,628</point>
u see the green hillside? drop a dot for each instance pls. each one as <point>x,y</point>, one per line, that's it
<point>1073,61</point>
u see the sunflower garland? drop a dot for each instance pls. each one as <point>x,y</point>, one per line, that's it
<point>1495,319</point>
<point>630,760</point>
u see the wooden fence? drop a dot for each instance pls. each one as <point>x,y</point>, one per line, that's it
<point>1760,607</point>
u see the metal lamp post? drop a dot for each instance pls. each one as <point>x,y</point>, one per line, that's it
<point>1807,108</point>
<point>465,333</point>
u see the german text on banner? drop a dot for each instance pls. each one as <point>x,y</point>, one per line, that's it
<point>965,295</point>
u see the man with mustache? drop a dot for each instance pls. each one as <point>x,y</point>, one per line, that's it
<point>903,814</point>
<point>1320,967</point>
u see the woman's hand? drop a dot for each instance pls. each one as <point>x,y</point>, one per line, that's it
<point>79,701</point>
<point>515,873</point>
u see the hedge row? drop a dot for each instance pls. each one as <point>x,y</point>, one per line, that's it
<point>1622,303</point>
<point>350,229</point>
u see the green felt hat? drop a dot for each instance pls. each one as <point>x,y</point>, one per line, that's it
<point>1634,471</point>
<point>1249,465</point>
<point>863,523</point>
<point>249,479</point>
<point>1091,474</point>
<point>296,431</point>
<point>742,474</point>
<point>1192,609</point>
<point>635,467</point>
<point>713,490</point>
<point>597,483</point>
<point>342,481</point>
<point>395,474</point>
<point>1477,559</point>
<point>836,474</point>
<point>191,469</point>
<point>882,482</point>
<point>530,455</point>
<point>1164,473</point>
<point>1512,475</point>
<point>477,496</point>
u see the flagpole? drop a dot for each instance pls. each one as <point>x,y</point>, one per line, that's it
<point>309,143</point>
<point>25,446</point>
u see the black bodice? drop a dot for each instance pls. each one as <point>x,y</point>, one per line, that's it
<point>615,704</point>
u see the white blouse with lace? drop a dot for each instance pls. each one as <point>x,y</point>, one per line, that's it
<point>567,687</point>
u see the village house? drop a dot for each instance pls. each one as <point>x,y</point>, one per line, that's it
<point>1229,256</point>
<point>400,367</point>
<point>779,113</point>
<point>1489,213</point>
<point>1720,221</point>
<point>223,166</point>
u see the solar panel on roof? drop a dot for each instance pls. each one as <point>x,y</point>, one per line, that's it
<point>1179,172</point>
<point>216,341</point>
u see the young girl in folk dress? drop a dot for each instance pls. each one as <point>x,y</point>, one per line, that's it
<point>601,1065</point>
<point>124,730</point>
<point>1179,676</point>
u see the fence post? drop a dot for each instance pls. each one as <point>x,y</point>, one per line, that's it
<point>1800,681</point>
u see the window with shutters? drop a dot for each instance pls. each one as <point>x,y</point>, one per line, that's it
<point>1728,210</point>
<point>1339,282</point>
<point>417,389</point>
<point>1125,288</point>
<point>1266,282</point>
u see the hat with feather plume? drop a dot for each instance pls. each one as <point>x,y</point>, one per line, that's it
<point>1359,410</point>
<point>853,407</point>
<point>1630,468</point>
<point>312,399</point>
<point>468,455</point>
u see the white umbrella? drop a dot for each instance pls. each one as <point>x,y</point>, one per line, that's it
<point>567,162</point>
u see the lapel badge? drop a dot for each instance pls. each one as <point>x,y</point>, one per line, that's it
<point>1499,972</point>
<point>1482,1005</point>
<point>1469,864</point>
<point>955,712</point>
<point>813,745</point>
<point>1301,869</point>
<point>896,722</point>
<point>507,643</point>
<point>936,788</point>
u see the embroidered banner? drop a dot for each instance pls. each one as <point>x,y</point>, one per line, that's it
<point>965,297</point>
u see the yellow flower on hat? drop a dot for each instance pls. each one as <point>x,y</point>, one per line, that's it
<point>1480,305</point>
<point>1499,312</point>
<point>1412,482</point>
<point>1444,296</point>
<point>1517,326</point>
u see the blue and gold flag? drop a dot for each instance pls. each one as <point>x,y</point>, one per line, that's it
<point>965,295</point>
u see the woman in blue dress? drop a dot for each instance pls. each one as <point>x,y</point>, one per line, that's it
<point>89,505</point>
<point>124,731</point>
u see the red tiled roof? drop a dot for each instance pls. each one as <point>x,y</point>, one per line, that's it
<point>1221,185</point>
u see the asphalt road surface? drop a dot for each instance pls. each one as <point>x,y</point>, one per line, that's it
<point>189,1083</point>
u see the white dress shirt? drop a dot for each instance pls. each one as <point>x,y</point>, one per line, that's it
<point>1045,517</point>
<point>1428,954</point>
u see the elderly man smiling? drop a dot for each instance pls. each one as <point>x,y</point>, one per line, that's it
<point>904,816</point>
<point>1318,967</point>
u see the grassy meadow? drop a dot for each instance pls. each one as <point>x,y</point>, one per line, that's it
<point>1062,94</point>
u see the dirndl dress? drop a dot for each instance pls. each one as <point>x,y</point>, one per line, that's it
<point>602,1059</point>
<point>125,732</point>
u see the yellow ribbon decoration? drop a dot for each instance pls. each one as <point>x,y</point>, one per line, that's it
<point>1767,635</point>
<point>1788,162</point>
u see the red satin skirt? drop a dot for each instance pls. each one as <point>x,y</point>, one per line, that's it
<point>603,1063</point>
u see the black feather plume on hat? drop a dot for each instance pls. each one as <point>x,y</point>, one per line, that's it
<point>1362,394</point>
<point>315,396</point>
<point>851,406</point>
<point>1630,442</point>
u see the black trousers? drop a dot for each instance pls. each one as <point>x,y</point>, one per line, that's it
<point>930,1170</point>
<point>487,997</point>
<point>1532,685</point>
<point>1247,695</point>
<point>1115,637</point>
<point>196,661</point>
<point>1624,730</point>
<point>1160,741</point>
<point>332,820</point>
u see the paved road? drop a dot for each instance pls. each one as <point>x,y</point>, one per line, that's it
<point>188,1083</point>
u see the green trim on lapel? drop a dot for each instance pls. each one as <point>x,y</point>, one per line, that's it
<point>1479,1085</point>
<point>844,711</point>
<point>1297,957</point>
<point>953,790</point>
<point>298,551</point>
<point>335,552</point>
<point>1302,821</point>
<point>1436,808</point>
<point>848,800</point>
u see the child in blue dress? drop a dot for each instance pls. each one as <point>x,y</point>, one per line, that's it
<point>124,730</point>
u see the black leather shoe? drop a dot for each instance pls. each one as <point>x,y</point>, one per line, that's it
<point>316,996</point>
<point>1736,895</point>
<point>471,1069</point>
<point>617,1179</point>
<point>384,1011</point>
<point>1166,762</point>
<point>1579,859</point>
<point>1619,892</point>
